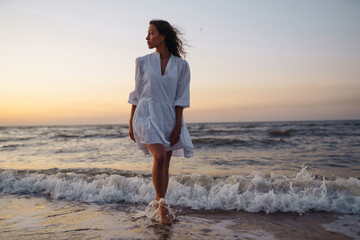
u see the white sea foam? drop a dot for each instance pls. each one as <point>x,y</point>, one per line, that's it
<point>253,193</point>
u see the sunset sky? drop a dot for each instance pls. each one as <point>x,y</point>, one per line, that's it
<point>73,62</point>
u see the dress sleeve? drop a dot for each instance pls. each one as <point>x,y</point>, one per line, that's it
<point>135,95</point>
<point>183,88</point>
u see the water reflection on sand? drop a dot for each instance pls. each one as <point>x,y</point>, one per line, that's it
<point>41,218</point>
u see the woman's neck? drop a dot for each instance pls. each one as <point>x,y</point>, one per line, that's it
<point>164,51</point>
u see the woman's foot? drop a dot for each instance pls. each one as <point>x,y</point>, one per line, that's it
<point>164,212</point>
<point>164,215</point>
<point>160,211</point>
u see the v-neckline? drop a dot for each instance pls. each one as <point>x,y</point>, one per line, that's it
<point>167,64</point>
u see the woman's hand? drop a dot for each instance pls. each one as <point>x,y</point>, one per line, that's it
<point>175,135</point>
<point>131,133</point>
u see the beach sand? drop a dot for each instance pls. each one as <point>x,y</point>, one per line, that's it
<point>31,217</point>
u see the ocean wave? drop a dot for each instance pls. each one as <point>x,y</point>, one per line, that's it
<point>95,135</point>
<point>11,147</point>
<point>253,193</point>
<point>282,133</point>
<point>234,142</point>
<point>216,142</point>
<point>217,131</point>
<point>16,139</point>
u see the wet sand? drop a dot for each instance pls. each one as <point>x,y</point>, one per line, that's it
<point>32,217</point>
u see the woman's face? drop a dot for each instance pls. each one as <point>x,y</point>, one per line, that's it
<point>154,38</point>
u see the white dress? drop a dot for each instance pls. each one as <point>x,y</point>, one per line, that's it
<point>156,96</point>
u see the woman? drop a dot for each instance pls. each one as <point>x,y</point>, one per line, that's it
<point>162,91</point>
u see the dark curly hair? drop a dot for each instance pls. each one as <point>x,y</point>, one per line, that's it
<point>172,37</point>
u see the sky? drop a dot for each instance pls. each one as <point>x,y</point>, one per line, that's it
<point>73,62</point>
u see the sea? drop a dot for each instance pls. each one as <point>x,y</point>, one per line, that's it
<point>247,180</point>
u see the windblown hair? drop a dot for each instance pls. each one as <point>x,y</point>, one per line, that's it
<point>173,42</point>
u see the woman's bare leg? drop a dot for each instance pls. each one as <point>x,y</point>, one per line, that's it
<point>158,170</point>
<point>167,165</point>
<point>160,177</point>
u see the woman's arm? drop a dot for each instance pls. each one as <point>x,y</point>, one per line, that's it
<point>175,134</point>
<point>179,115</point>
<point>133,107</point>
<point>131,133</point>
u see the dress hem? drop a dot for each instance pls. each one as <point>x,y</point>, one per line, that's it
<point>175,153</point>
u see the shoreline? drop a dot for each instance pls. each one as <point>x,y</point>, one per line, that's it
<point>38,217</point>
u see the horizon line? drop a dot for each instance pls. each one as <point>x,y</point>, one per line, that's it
<point>219,122</point>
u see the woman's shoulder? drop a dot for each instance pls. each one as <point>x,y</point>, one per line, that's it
<point>144,58</point>
<point>148,56</point>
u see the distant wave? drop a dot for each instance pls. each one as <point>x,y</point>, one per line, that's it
<point>253,193</point>
<point>16,139</point>
<point>213,141</point>
<point>11,147</point>
<point>282,133</point>
<point>78,135</point>
<point>233,142</point>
